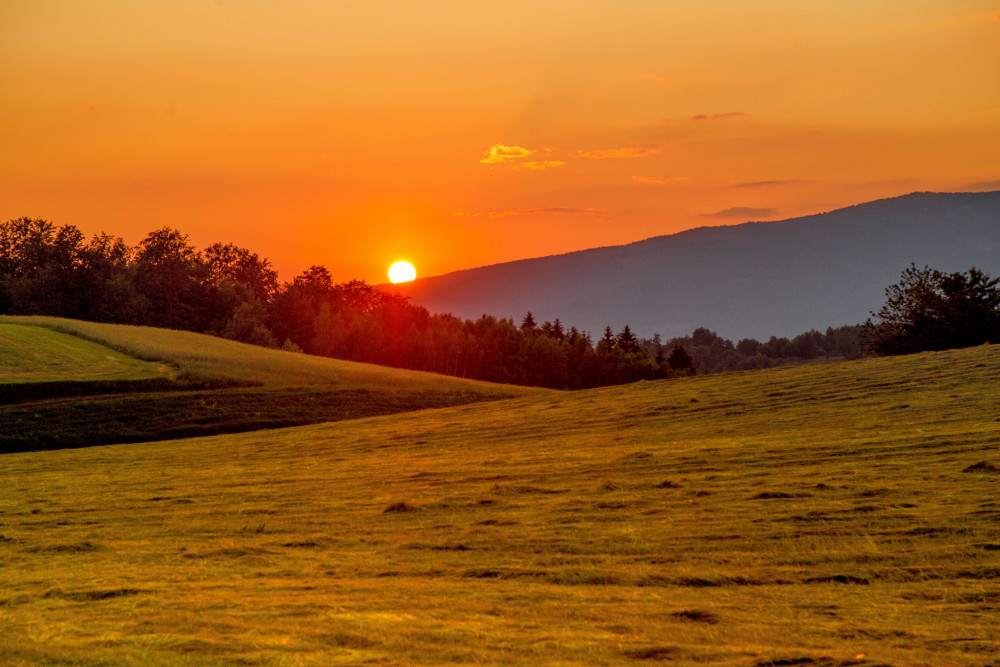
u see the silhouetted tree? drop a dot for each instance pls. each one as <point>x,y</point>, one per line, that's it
<point>626,341</point>
<point>777,348</point>
<point>808,345</point>
<point>703,337</point>
<point>609,340</point>
<point>41,268</point>
<point>931,310</point>
<point>113,293</point>
<point>748,347</point>
<point>229,262</point>
<point>680,361</point>
<point>971,308</point>
<point>171,276</point>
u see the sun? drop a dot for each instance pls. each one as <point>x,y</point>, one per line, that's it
<point>402,272</point>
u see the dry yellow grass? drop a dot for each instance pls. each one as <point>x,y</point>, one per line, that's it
<point>829,515</point>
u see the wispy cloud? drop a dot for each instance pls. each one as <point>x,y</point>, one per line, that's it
<point>984,186</point>
<point>544,164</point>
<point>660,180</point>
<point>500,153</point>
<point>763,184</point>
<point>566,210</point>
<point>552,210</point>
<point>614,153</point>
<point>745,212</point>
<point>719,116</point>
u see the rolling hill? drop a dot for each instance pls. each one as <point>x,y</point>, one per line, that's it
<point>825,515</point>
<point>751,280</point>
<point>68,383</point>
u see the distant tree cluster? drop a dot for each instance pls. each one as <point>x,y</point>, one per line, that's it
<point>710,353</point>
<point>931,310</point>
<point>231,292</point>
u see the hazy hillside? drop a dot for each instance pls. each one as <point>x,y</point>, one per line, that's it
<point>749,280</point>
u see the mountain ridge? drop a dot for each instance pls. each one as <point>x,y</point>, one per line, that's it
<point>753,279</point>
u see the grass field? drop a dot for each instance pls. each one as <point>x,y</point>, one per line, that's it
<point>36,354</point>
<point>66,383</point>
<point>840,514</point>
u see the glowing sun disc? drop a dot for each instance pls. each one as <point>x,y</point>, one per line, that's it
<point>402,272</point>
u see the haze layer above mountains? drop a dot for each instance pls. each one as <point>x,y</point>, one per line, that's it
<point>751,280</point>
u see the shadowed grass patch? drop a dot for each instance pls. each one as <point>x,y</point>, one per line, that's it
<point>983,466</point>
<point>348,640</point>
<point>656,653</point>
<point>696,615</point>
<point>401,507</point>
<point>92,595</point>
<point>73,548</point>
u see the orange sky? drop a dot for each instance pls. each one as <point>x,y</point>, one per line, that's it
<point>456,133</point>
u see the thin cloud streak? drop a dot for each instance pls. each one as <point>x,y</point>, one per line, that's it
<point>616,153</point>
<point>764,184</point>
<point>746,212</point>
<point>660,180</point>
<point>552,210</point>
<point>719,116</point>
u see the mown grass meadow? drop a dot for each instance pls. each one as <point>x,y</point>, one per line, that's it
<point>836,514</point>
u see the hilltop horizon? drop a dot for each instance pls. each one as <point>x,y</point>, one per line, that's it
<point>700,228</point>
<point>743,280</point>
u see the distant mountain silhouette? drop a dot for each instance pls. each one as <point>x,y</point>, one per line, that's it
<point>751,280</point>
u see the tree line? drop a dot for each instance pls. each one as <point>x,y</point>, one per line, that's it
<point>232,292</point>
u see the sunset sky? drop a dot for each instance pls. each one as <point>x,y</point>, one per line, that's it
<point>457,133</point>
